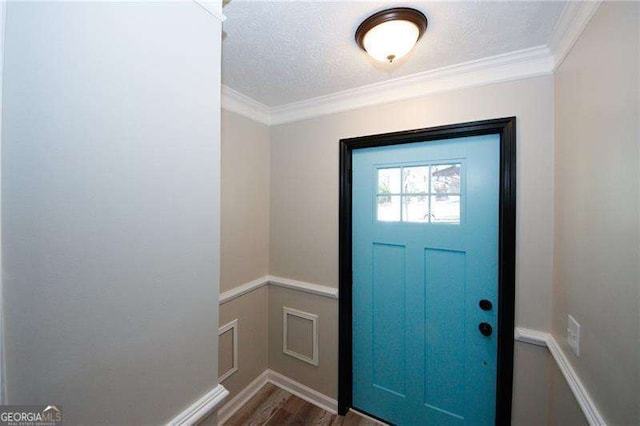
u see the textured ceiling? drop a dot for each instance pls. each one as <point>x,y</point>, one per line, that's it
<point>287,51</point>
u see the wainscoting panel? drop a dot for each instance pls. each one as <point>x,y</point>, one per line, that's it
<point>319,374</point>
<point>260,306</point>
<point>228,348</point>
<point>300,335</point>
<point>251,312</point>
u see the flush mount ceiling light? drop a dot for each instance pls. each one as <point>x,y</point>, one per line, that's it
<point>390,34</point>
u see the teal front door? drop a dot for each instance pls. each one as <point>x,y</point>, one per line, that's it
<point>425,225</point>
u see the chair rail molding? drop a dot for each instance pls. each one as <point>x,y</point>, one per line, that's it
<point>587,404</point>
<point>243,289</point>
<point>318,290</point>
<point>521,334</point>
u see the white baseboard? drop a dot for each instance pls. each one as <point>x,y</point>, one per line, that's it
<point>230,408</point>
<point>539,338</point>
<point>587,404</point>
<point>302,391</point>
<point>283,382</point>
<point>201,408</point>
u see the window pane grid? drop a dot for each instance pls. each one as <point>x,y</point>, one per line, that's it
<point>423,194</point>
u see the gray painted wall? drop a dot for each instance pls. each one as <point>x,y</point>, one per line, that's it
<point>304,182</point>
<point>596,89</point>
<point>304,217</point>
<point>110,207</point>
<point>245,200</point>
<point>597,179</point>
<point>245,242</point>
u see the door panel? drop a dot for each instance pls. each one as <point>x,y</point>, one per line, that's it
<point>388,300</point>
<point>425,252</point>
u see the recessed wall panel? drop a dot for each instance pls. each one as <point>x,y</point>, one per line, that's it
<point>300,335</point>
<point>225,357</point>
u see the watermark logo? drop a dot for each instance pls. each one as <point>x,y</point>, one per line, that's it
<point>30,415</point>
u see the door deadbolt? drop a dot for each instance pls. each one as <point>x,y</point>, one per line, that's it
<point>485,305</point>
<point>485,328</point>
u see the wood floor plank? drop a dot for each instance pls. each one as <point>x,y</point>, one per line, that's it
<point>287,412</point>
<point>320,417</point>
<point>248,409</point>
<point>302,416</point>
<point>269,408</point>
<point>272,406</point>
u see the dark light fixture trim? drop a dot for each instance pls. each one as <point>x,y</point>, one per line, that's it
<point>395,14</point>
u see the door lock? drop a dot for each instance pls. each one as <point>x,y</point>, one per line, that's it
<point>485,328</point>
<point>485,305</point>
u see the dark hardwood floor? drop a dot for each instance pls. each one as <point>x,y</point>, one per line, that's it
<point>276,407</point>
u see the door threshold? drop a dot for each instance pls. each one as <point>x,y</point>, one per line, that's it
<point>369,417</point>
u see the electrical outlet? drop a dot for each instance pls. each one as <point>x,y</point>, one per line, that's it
<point>573,335</point>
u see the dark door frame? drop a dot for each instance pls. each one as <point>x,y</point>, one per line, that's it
<point>506,128</point>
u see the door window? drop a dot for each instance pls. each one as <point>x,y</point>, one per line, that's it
<point>422,194</point>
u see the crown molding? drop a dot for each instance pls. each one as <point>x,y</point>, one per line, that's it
<point>525,63</point>
<point>516,65</point>
<point>241,104</point>
<point>574,19</point>
<point>520,64</point>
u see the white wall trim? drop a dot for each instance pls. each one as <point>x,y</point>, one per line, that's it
<point>320,290</point>
<point>525,63</point>
<point>286,312</point>
<point>201,408</point>
<point>233,326</point>
<point>533,337</point>
<point>515,65</point>
<point>231,407</point>
<point>587,404</point>
<point>574,19</point>
<point>245,288</point>
<point>241,104</point>
<point>520,64</point>
<point>213,8</point>
<point>303,392</point>
<point>283,382</point>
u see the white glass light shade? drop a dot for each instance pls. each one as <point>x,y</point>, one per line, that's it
<point>391,40</point>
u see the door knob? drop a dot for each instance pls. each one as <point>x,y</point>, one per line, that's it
<point>485,328</point>
<point>485,305</point>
